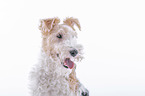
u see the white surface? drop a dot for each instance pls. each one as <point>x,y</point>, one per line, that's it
<point>113,35</point>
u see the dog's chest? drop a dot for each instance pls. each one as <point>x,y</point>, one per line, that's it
<point>56,85</point>
<point>59,87</point>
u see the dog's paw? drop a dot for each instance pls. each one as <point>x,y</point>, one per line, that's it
<point>83,91</point>
<point>86,93</point>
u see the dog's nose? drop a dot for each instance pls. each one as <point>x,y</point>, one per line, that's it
<point>73,52</point>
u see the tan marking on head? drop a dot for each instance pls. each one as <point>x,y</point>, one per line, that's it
<point>46,25</point>
<point>73,81</point>
<point>50,28</point>
<point>71,22</point>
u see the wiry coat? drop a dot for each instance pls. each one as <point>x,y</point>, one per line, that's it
<point>49,77</point>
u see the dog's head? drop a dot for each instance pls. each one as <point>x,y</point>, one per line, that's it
<point>59,40</point>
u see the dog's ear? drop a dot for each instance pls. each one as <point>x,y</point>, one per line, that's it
<point>71,22</point>
<point>46,25</point>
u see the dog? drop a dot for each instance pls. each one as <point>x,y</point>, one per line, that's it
<point>55,75</point>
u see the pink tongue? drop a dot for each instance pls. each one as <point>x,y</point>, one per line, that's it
<point>69,63</point>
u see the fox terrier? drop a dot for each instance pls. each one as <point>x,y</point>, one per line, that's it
<point>55,75</point>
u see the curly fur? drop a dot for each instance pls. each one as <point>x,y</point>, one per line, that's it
<point>49,77</point>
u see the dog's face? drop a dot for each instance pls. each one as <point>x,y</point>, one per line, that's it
<point>60,41</point>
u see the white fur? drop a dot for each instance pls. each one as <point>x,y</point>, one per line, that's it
<point>47,74</point>
<point>49,77</point>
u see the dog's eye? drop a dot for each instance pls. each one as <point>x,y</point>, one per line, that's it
<point>59,36</point>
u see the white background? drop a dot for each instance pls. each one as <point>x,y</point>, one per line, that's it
<point>113,36</point>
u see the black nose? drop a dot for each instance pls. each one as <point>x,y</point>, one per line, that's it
<point>73,52</point>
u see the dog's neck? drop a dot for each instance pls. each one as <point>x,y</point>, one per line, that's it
<point>54,66</point>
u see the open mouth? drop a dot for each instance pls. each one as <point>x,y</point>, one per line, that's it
<point>68,63</point>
